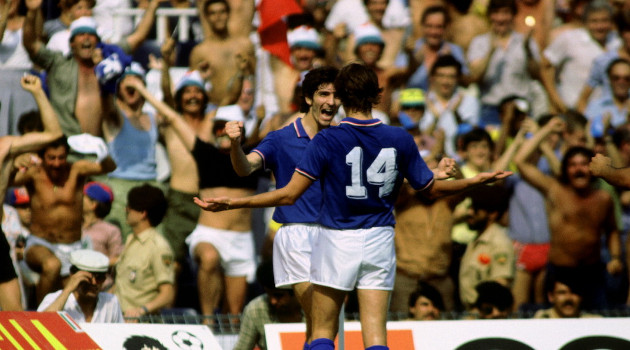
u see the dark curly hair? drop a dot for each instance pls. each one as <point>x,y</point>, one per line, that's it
<point>313,80</point>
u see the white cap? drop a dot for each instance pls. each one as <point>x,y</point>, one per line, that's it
<point>191,78</point>
<point>304,36</point>
<point>368,33</point>
<point>230,113</point>
<point>89,260</point>
<point>83,24</point>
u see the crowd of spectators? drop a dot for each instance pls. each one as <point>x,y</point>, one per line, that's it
<point>533,86</point>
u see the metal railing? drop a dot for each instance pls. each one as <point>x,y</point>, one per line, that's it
<point>230,324</point>
<point>161,21</point>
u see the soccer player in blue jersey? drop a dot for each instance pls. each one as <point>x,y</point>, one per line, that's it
<point>280,152</point>
<point>361,165</point>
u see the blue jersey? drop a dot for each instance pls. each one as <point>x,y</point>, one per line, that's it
<point>281,150</point>
<point>362,164</point>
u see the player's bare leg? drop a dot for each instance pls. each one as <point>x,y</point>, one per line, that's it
<point>326,315</point>
<point>304,293</point>
<point>373,305</point>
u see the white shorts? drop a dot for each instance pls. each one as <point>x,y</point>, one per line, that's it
<point>61,250</point>
<point>236,249</point>
<point>363,258</point>
<point>292,246</point>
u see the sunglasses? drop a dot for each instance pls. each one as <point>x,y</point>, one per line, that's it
<point>99,276</point>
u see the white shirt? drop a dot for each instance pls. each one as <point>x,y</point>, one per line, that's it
<point>107,308</point>
<point>12,52</point>
<point>574,51</point>
<point>354,14</point>
<point>468,110</point>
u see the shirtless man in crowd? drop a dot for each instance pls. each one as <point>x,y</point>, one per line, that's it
<point>55,187</point>
<point>10,147</point>
<point>578,214</point>
<point>219,48</point>
<point>75,93</point>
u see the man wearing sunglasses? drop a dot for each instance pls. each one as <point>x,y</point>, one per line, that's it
<point>81,297</point>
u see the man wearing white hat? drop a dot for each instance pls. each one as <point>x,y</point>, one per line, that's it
<point>81,297</point>
<point>304,44</point>
<point>75,93</point>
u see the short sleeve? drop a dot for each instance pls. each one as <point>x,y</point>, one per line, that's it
<point>162,262</point>
<point>314,158</point>
<point>557,50</point>
<point>414,168</point>
<point>267,150</point>
<point>478,48</point>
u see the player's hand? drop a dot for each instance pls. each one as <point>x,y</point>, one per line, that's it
<point>233,131</point>
<point>614,266</point>
<point>213,204</point>
<point>490,177</point>
<point>599,164</point>
<point>447,168</point>
<point>31,83</point>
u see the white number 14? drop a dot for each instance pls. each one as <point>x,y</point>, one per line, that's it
<point>382,172</point>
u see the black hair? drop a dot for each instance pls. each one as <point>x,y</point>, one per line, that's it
<point>102,209</point>
<point>433,10</point>
<point>264,275</point>
<point>575,120</point>
<point>446,61</point>
<point>476,135</point>
<point>313,80</point>
<point>149,199</point>
<point>570,153</point>
<point>60,142</point>
<point>569,277</point>
<point>357,87</point>
<point>67,4</point>
<point>30,121</point>
<point>495,5</point>
<point>494,293</point>
<point>138,342</point>
<point>462,6</point>
<point>178,98</point>
<point>622,22</point>
<point>615,62</point>
<point>211,2</point>
<point>428,291</point>
<point>621,135</point>
<point>492,198</point>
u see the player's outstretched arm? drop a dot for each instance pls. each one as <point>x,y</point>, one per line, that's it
<point>286,195</point>
<point>602,166</point>
<point>445,188</point>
